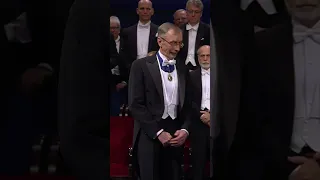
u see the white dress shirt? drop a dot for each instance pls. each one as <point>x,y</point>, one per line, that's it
<point>170,92</point>
<point>205,100</point>
<point>192,30</point>
<point>306,130</point>
<point>143,32</point>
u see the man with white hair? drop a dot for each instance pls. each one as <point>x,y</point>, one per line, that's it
<point>120,72</point>
<point>199,85</point>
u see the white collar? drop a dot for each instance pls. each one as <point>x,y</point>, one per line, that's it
<point>195,27</point>
<point>118,39</point>
<point>301,32</point>
<point>203,71</point>
<point>147,24</point>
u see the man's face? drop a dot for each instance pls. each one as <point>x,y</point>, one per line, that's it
<point>193,14</point>
<point>145,11</point>
<point>204,57</point>
<point>180,18</point>
<point>115,29</point>
<point>304,10</point>
<point>170,44</point>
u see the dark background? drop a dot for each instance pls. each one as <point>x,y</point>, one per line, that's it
<point>164,9</point>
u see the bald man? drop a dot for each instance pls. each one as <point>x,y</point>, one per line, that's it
<point>180,17</point>
<point>140,39</point>
<point>199,85</point>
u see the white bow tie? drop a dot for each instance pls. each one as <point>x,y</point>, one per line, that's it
<point>266,5</point>
<point>143,26</point>
<point>188,27</point>
<point>205,73</point>
<point>300,33</point>
<point>170,62</point>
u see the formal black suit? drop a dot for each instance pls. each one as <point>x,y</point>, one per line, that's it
<point>130,39</point>
<point>84,91</point>
<point>122,64</point>
<point>234,36</point>
<point>36,113</point>
<point>202,38</point>
<point>270,102</point>
<point>146,103</point>
<point>199,132</point>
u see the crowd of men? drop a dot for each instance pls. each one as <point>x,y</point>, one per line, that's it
<point>166,70</point>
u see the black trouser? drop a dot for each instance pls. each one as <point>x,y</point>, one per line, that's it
<point>166,160</point>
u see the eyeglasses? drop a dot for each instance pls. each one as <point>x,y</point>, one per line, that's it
<point>192,11</point>
<point>115,28</point>
<point>173,43</point>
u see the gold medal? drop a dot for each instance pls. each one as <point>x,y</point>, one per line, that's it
<point>169,77</point>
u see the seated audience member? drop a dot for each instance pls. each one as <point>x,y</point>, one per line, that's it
<point>119,72</point>
<point>199,84</point>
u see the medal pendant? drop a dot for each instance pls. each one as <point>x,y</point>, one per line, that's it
<point>169,77</point>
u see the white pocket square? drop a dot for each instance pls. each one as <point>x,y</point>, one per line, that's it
<point>201,39</point>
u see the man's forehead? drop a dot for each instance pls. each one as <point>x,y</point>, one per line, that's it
<point>145,4</point>
<point>204,50</point>
<point>192,6</point>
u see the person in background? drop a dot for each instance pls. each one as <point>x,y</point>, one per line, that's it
<point>199,85</point>
<point>140,38</point>
<point>180,17</point>
<point>195,34</point>
<point>119,72</point>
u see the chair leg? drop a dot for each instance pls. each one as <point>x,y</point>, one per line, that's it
<point>44,154</point>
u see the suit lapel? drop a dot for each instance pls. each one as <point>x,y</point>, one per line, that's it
<point>181,84</point>
<point>134,41</point>
<point>198,85</point>
<point>200,34</point>
<point>184,50</point>
<point>154,70</point>
<point>152,36</point>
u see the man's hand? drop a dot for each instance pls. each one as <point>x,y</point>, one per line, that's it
<point>308,168</point>
<point>120,86</point>
<point>205,117</point>
<point>164,138</point>
<point>179,139</point>
<point>317,156</point>
<point>33,77</point>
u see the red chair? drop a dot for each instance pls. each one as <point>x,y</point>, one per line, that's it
<point>121,132</point>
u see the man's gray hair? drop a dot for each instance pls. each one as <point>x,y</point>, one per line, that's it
<point>165,27</point>
<point>198,51</point>
<point>197,3</point>
<point>115,19</point>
